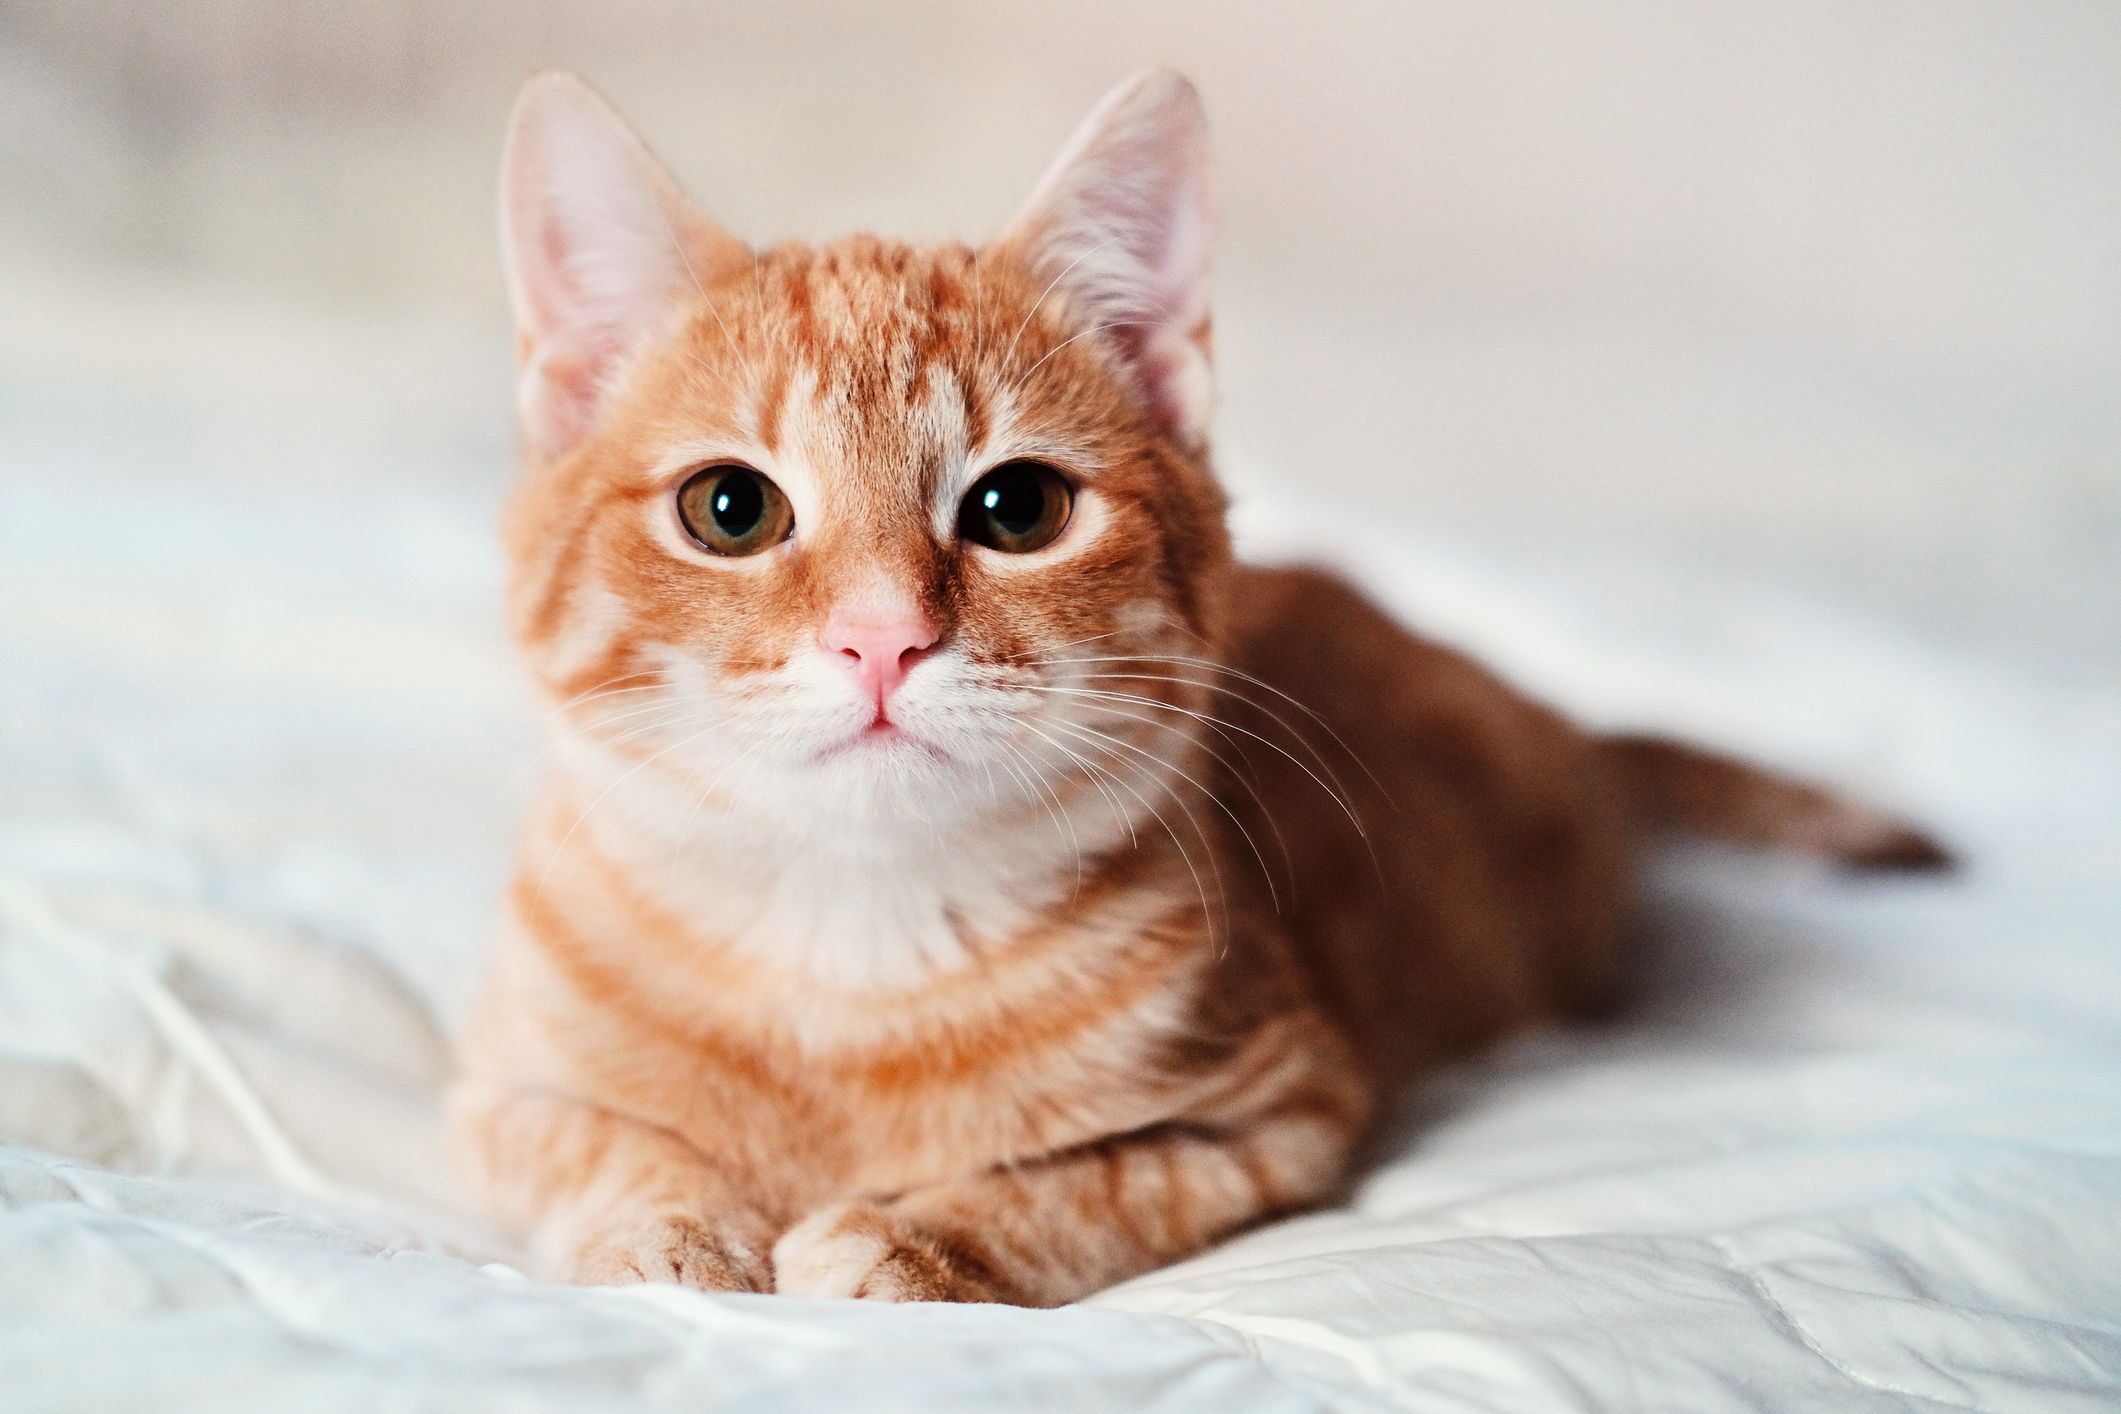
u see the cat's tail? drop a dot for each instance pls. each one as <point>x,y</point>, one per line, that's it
<point>1685,790</point>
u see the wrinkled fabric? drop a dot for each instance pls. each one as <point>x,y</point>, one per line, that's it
<point>1854,1144</point>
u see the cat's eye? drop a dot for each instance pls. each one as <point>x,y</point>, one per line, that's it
<point>732,510</point>
<point>1016,508</point>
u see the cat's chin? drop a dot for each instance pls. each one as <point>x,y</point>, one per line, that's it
<point>881,775</point>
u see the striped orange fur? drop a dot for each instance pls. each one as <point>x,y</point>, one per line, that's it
<point>1102,918</point>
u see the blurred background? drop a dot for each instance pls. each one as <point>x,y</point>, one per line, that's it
<point>1819,295</point>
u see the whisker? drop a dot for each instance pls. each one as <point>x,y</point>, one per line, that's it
<point>1059,813</point>
<point>1206,913</point>
<point>1071,643</point>
<point>1214,869</point>
<point>545,876</point>
<point>597,693</point>
<point>1310,748</point>
<point>583,729</point>
<point>1336,787</point>
<point>1265,873</point>
<point>700,795</point>
<point>1237,774</point>
<point>1018,385</point>
<point>994,796</point>
<point>1339,787</point>
<point>1333,791</point>
<point>685,258</point>
<point>1211,665</point>
<point>1050,285</point>
<point>1090,773</point>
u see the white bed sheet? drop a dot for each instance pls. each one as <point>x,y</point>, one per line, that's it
<point>1859,1145</point>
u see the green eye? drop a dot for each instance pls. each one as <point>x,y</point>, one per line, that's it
<point>732,510</point>
<point>1016,508</point>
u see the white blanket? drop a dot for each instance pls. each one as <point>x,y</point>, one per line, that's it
<point>1858,1145</point>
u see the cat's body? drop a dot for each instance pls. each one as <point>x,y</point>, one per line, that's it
<point>942,895</point>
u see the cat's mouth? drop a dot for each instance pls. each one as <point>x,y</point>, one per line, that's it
<point>881,737</point>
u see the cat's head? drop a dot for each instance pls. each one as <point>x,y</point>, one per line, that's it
<point>866,522</point>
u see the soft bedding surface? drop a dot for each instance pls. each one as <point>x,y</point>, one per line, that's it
<point>1857,1145</point>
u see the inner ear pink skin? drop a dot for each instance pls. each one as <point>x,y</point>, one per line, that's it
<point>879,650</point>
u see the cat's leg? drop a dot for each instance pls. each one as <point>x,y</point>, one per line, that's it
<point>610,1200</point>
<point>1046,1233</point>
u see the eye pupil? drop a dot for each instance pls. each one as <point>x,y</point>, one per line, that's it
<point>1018,507</point>
<point>1015,502</point>
<point>738,504</point>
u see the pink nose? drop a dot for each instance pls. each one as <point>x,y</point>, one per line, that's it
<point>879,650</point>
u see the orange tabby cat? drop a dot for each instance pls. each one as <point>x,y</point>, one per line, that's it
<point>960,880</point>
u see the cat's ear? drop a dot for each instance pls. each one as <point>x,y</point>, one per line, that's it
<point>1121,224</point>
<point>600,246</point>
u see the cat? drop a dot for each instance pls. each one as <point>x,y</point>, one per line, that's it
<point>960,879</point>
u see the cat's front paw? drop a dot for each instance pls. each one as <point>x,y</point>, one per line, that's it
<point>702,1253</point>
<point>860,1250</point>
